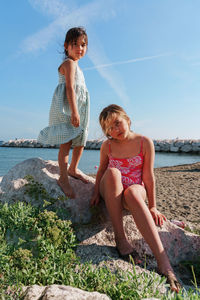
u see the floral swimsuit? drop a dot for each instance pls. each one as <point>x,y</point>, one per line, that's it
<point>130,168</point>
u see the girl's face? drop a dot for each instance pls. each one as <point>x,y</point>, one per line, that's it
<point>118,128</point>
<point>77,50</point>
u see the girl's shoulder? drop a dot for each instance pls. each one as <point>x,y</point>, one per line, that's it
<point>105,146</point>
<point>67,65</point>
<point>148,144</point>
<point>144,139</point>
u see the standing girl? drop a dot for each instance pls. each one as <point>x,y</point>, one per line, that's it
<point>69,113</point>
<point>124,178</point>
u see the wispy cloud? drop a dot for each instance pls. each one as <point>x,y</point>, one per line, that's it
<point>66,14</point>
<point>97,55</point>
<point>84,15</point>
<point>64,17</point>
<point>126,61</point>
<point>55,8</point>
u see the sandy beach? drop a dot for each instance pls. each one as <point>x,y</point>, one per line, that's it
<point>178,193</point>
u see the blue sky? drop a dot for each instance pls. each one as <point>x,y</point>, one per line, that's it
<point>143,55</point>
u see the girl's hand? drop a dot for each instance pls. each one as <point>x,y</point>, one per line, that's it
<point>157,216</point>
<point>75,119</point>
<point>95,199</point>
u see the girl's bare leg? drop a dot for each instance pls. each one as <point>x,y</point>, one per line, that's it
<point>63,181</point>
<point>73,169</point>
<point>111,189</point>
<point>134,198</point>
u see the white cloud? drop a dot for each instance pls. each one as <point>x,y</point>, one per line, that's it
<point>67,15</point>
<point>55,8</point>
<point>97,54</point>
<point>126,61</point>
<point>83,15</point>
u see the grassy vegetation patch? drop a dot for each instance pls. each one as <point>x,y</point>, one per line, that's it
<point>37,247</point>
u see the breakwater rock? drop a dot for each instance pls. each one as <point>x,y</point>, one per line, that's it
<point>173,145</point>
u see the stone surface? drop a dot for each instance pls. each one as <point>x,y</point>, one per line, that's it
<point>185,146</point>
<point>178,243</point>
<point>96,238</point>
<point>60,292</point>
<point>12,187</point>
<point>174,149</point>
<point>97,242</point>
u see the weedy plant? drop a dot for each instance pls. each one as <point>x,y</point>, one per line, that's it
<point>37,247</point>
<point>36,191</point>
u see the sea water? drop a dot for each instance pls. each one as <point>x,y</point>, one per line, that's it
<point>89,162</point>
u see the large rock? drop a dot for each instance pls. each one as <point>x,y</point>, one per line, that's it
<point>61,292</point>
<point>96,238</point>
<point>12,188</point>
<point>97,242</point>
<point>179,244</point>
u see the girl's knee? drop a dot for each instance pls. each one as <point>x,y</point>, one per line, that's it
<point>134,193</point>
<point>112,178</point>
<point>111,182</point>
<point>113,173</point>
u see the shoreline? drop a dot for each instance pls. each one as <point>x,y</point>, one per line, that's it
<point>190,146</point>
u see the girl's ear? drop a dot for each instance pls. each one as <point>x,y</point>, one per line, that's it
<point>65,45</point>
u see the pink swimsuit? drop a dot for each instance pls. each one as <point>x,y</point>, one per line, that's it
<point>130,168</point>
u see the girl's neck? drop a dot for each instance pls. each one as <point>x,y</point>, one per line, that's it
<point>130,136</point>
<point>75,60</point>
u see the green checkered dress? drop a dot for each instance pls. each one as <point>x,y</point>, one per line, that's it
<point>60,129</point>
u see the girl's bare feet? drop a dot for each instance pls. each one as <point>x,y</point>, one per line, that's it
<point>77,174</point>
<point>123,246</point>
<point>124,250</point>
<point>66,188</point>
<point>171,279</point>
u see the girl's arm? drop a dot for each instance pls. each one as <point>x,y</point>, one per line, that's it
<point>101,170</point>
<point>68,69</point>
<point>149,180</point>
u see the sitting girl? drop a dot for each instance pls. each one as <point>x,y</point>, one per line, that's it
<point>124,178</point>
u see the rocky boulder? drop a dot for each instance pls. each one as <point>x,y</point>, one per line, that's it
<point>13,187</point>
<point>96,238</point>
<point>60,292</point>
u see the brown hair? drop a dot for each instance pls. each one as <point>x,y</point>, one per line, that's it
<point>108,113</point>
<point>73,34</point>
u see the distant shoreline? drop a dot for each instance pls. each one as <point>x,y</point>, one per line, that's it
<point>167,145</point>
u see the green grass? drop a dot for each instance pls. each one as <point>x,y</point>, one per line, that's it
<point>37,247</point>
